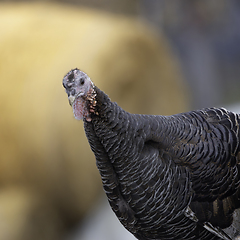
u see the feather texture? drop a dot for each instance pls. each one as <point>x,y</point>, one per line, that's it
<point>166,177</point>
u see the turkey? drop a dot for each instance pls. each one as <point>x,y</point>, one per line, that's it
<point>165,177</point>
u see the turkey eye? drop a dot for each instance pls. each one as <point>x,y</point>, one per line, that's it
<point>82,81</point>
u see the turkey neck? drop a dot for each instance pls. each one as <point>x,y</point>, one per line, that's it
<point>127,160</point>
<point>121,135</point>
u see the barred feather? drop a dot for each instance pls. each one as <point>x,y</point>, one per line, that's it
<point>167,177</point>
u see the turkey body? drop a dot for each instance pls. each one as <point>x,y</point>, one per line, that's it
<point>166,177</point>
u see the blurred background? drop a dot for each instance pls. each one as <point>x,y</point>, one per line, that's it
<point>150,56</point>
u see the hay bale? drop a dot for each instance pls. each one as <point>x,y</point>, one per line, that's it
<point>42,146</point>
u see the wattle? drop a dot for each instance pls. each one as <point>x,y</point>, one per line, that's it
<point>79,109</point>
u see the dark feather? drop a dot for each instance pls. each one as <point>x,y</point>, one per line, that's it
<point>168,177</point>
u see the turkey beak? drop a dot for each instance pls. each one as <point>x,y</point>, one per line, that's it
<point>71,100</point>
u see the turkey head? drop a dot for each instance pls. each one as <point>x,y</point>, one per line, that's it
<point>81,94</point>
